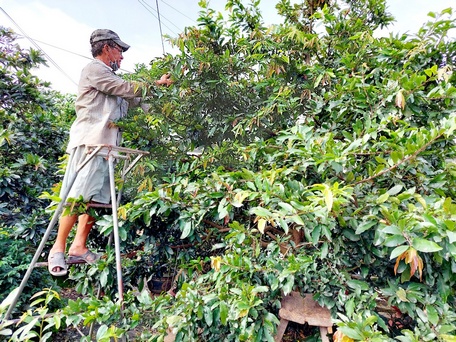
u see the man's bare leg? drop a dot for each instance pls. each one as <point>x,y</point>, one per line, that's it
<point>66,223</point>
<point>85,224</point>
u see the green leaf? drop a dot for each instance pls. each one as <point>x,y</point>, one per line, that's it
<point>223,312</point>
<point>350,307</point>
<point>318,80</point>
<point>188,227</point>
<point>297,219</point>
<point>261,212</point>
<point>394,240</point>
<point>324,250</point>
<point>9,299</point>
<point>382,198</point>
<point>392,229</point>
<point>288,209</point>
<point>101,332</point>
<point>288,286</point>
<point>402,294</point>
<point>398,251</point>
<point>358,284</point>
<point>395,190</point>
<point>104,277</point>
<point>352,333</point>
<point>451,236</point>
<point>365,226</point>
<point>261,225</point>
<point>425,246</point>
<point>432,314</point>
<point>208,315</point>
<point>5,332</point>
<point>259,289</point>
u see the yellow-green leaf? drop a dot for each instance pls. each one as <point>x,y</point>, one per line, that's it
<point>402,295</point>
<point>328,197</point>
<point>261,225</point>
<point>382,198</point>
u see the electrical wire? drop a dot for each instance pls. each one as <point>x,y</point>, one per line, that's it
<point>59,48</point>
<point>39,48</point>
<point>68,51</point>
<point>193,20</point>
<point>149,8</point>
<point>160,25</point>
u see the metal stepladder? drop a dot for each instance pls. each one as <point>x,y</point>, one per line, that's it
<point>111,153</point>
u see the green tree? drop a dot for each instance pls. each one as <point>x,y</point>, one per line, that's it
<point>33,126</point>
<point>32,135</point>
<point>330,143</point>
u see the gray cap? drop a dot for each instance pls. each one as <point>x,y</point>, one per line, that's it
<point>105,34</point>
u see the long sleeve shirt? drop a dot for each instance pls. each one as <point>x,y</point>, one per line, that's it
<point>103,97</point>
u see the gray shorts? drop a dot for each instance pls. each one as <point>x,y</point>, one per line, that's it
<point>92,181</point>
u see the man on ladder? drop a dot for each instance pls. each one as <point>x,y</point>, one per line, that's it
<point>103,98</point>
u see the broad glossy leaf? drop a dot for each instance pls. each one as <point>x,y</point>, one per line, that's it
<point>187,230</point>
<point>288,209</point>
<point>432,314</point>
<point>395,190</point>
<point>260,211</point>
<point>394,240</point>
<point>382,198</point>
<point>425,246</point>
<point>365,226</point>
<point>451,236</point>
<point>398,251</point>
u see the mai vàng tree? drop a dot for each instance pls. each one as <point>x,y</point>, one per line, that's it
<point>330,162</point>
<point>33,129</point>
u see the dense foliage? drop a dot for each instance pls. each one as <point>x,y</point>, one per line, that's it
<point>33,123</point>
<point>357,194</point>
<point>328,167</point>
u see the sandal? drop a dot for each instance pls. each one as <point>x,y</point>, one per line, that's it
<point>88,257</point>
<point>57,260</point>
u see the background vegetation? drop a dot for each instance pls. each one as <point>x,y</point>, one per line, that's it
<point>327,167</point>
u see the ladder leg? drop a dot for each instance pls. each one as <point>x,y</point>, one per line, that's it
<point>115,228</point>
<point>55,218</point>
<point>41,246</point>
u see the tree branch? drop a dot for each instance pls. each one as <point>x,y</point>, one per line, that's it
<point>400,162</point>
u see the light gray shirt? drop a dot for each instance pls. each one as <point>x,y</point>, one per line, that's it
<point>103,97</point>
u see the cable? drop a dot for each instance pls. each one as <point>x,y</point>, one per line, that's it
<point>59,48</point>
<point>149,8</point>
<point>71,52</point>
<point>160,25</point>
<point>39,48</point>
<point>179,11</point>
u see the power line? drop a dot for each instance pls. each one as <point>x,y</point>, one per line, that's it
<point>178,11</point>
<point>71,52</point>
<point>160,25</point>
<point>149,9</point>
<point>163,17</point>
<point>38,47</point>
<point>59,48</point>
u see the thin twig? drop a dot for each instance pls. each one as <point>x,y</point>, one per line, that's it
<point>400,162</point>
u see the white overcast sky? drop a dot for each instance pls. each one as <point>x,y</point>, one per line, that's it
<point>59,25</point>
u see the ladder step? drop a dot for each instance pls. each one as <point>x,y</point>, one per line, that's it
<point>93,205</point>
<point>99,205</point>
